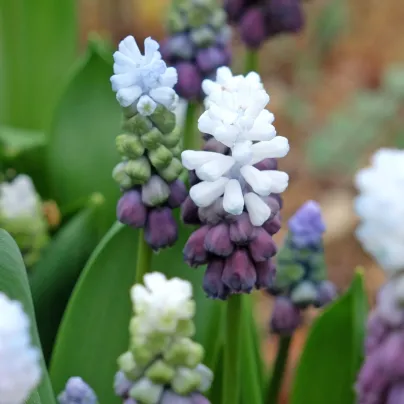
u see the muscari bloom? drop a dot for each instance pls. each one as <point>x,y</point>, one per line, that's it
<point>260,20</point>
<point>20,370</point>
<point>235,186</point>
<point>22,215</point>
<point>163,364</point>
<point>150,143</point>
<point>198,43</point>
<point>301,278</point>
<point>77,391</point>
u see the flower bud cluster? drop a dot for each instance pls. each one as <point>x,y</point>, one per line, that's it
<point>260,20</point>
<point>162,364</point>
<point>77,391</point>
<point>148,174</point>
<point>21,214</point>
<point>198,43</point>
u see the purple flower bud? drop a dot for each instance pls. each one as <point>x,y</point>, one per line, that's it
<point>377,331</point>
<point>178,46</point>
<point>396,394</point>
<point>273,201</point>
<point>193,178</point>
<point>267,164</point>
<point>214,145</point>
<point>234,9</point>
<point>326,293</point>
<point>253,27</point>
<point>272,226</point>
<point>284,16</point>
<point>194,251</point>
<point>189,81</point>
<point>239,272</point>
<point>217,240</point>
<point>189,212</point>
<point>212,214</point>
<point>130,401</point>
<point>306,226</point>
<point>262,246</point>
<point>77,392</point>
<point>212,281</point>
<point>199,399</point>
<point>161,228</point>
<point>178,193</point>
<point>169,397</point>
<point>266,272</point>
<point>130,209</point>
<point>241,230</point>
<point>122,385</point>
<point>286,317</point>
<point>387,307</point>
<point>209,59</point>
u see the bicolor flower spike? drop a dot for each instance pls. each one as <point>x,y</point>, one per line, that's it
<point>20,370</point>
<point>163,364</point>
<point>143,81</point>
<point>237,118</point>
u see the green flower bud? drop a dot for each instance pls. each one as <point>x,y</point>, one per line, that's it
<point>198,16</point>
<point>152,139</point>
<point>172,171</point>
<point>172,139</point>
<point>120,175</point>
<point>184,352</point>
<point>163,119</point>
<point>129,146</point>
<point>141,354</point>
<point>185,328</point>
<point>218,18</point>
<point>138,170</point>
<point>155,191</point>
<point>203,36</point>
<point>304,293</point>
<point>176,22</point>
<point>138,125</point>
<point>160,372</point>
<point>186,381</point>
<point>160,157</point>
<point>176,151</point>
<point>146,392</point>
<point>318,268</point>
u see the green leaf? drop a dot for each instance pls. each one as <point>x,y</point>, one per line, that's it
<point>82,153</point>
<point>54,276</point>
<point>333,351</point>
<point>38,41</point>
<point>14,283</point>
<point>94,329</point>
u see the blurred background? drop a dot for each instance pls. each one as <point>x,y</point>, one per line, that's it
<point>337,91</point>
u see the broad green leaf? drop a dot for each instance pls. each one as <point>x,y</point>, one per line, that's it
<point>82,154</point>
<point>17,140</point>
<point>38,41</point>
<point>54,276</point>
<point>14,283</point>
<point>333,351</point>
<point>94,329</point>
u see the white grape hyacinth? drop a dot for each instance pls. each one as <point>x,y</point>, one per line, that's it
<point>161,303</point>
<point>20,370</point>
<point>18,198</point>
<point>143,81</point>
<point>380,208</point>
<point>237,118</point>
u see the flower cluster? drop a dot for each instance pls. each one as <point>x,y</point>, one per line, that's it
<point>20,371</point>
<point>235,186</point>
<point>21,214</point>
<point>198,44</point>
<point>77,391</point>
<point>381,378</point>
<point>162,365</point>
<point>262,19</point>
<point>301,278</point>
<point>150,143</point>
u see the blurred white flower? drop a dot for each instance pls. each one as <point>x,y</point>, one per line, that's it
<point>380,208</point>
<point>18,198</point>
<point>162,302</point>
<point>20,371</point>
<point>138,75</point>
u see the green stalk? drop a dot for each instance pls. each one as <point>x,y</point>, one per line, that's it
<point>144,258</point>
<point>191,139</point>
<point>279,369</point>
<point>251,63</point>
<point>232,345</point>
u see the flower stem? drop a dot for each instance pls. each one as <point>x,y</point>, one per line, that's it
<point>191,140</point>
<point>279,369</point>
<point>232,345</point>
<point>144,258</point>
<point>251,63</point>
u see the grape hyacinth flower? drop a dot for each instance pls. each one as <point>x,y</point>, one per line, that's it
<point>20,370</point>
<point>77,391</point>
<point>260,20</point>
<point>22,215</point>
<point>301,278</point>
<point>150,143</point>
<point>235,187</point>
<point>163,364</point>
<point>198,43</point>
